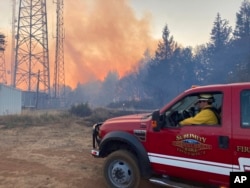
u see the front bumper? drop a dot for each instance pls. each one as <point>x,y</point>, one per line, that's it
<point>96,139</point>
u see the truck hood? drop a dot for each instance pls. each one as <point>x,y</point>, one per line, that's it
<point>126,123</point>
<point>129,118</point>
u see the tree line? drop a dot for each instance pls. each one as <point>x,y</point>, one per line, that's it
<point>174,68</point>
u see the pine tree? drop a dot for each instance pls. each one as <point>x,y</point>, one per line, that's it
<point>166,47</point>
<point>221,31</point>
<point>242,28</point>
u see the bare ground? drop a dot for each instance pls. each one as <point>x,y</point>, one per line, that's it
<point>55,156</point>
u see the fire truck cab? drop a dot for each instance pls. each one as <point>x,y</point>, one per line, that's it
<point>156,147</point>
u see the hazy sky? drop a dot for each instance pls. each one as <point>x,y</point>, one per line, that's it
<point>189,21</point>
<point>112,35</point>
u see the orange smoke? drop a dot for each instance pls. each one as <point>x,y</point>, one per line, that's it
<point>103,36</point>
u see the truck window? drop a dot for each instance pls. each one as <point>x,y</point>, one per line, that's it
<point>245,108</point>
<point>187,107</point>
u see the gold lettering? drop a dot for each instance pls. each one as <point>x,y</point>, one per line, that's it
<point>178,137</point>
<point>191,136</point>
<point>185,136</point>
<point>203,139</point>
<point>191,152</point>
<point>243,149</point>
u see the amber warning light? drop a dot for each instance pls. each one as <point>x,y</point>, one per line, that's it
<point>154,124</point>
<point>194,86</point>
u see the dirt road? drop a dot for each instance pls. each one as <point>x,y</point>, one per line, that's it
<point>54,156</point>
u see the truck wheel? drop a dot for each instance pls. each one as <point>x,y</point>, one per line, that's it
<point>121,170</point>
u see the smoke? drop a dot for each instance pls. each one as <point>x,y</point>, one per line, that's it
<point>100,36</point>
<point>103,36</point>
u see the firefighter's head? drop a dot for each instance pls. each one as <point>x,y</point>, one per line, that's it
<point>206,99</point>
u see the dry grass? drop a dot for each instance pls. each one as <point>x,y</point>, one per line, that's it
<point>44,117</point>
<point>36,118</point>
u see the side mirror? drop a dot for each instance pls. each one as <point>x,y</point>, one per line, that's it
<point>155,123</point>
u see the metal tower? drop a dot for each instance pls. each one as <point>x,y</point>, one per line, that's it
<point>59,76</point>
<point>2,60</point>
<point>31,69</point>
<point>13,33</point>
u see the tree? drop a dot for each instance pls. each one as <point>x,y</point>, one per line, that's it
<point>166,47</point>
<point>240,46</point>
<point>216,65</point>
<point>220,35</point>
<point>242,28</point>
<point>183,71</point>
<point>108,90</point>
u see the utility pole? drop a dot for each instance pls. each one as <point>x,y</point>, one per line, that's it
<point>32,54</point>
<point>3,79</point>
<point>59,75</point>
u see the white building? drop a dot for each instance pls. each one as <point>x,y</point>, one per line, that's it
<point>10,100</point>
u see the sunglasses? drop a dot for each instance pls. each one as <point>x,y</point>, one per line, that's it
<point>202,101</point>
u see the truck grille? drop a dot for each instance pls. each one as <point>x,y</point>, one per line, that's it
<point>95,135</point>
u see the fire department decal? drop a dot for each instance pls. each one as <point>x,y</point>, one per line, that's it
<point>191,144</point>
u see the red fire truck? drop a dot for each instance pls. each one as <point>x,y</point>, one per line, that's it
<point>154,146</point>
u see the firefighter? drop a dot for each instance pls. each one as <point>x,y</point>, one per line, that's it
<point>208,114</point>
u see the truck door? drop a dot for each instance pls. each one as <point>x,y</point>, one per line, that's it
<point>241,129</point>
<point>197,152</point>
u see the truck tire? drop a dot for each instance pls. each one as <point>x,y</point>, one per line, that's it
<point>121,170</point>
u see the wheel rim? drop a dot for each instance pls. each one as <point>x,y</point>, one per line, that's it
<point>120,173</point>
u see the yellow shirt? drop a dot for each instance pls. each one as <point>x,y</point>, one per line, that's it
<point>205,116</point>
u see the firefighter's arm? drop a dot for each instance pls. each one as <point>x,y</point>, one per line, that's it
<point>200,118</point>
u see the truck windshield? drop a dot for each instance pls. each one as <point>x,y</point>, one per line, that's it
<point>185,103</point>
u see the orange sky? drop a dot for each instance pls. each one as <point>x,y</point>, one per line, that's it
<point>101,37</point>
